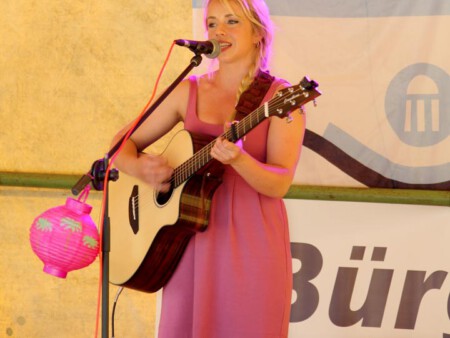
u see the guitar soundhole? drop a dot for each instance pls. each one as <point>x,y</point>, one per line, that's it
<point>163,197</point>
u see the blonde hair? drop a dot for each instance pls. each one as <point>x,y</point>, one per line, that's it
<point>257,12</point>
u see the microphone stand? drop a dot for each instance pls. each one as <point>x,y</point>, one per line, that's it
<point>96,177</point>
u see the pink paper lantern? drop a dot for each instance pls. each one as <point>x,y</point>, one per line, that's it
<point>65,238</point>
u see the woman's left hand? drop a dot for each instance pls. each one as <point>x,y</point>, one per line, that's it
<point>225,151</point>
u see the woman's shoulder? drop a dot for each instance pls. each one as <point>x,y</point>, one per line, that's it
<point>280,82</point>
<point>184,89</point>
<point>264,78</point>
<point>272,83</point>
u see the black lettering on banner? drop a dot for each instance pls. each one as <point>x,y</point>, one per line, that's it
<point>307,294</point>
<point>446,335</point>
<point>372,311</point>
<point>413,291</point>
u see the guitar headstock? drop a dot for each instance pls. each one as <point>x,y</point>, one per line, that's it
<point>290,98</point>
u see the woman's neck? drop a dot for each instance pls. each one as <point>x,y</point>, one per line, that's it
<point>230,76</point>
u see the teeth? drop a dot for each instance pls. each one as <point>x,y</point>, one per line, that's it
<point>225,44</point>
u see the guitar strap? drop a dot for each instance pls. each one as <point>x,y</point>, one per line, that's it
<point>251,99</point>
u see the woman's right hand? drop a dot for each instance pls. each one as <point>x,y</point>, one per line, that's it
<point>154,170</point>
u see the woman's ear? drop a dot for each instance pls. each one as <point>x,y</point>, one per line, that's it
<point>257,37</point>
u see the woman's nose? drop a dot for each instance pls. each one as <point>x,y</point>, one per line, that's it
<point>220,30</point>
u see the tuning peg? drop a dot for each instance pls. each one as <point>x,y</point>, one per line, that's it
<point>315,103</point>
<point>289,118</point>
<point>302,110</point>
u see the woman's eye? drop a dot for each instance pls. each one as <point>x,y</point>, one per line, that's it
<point>233,21</point>
<point>211,25</point>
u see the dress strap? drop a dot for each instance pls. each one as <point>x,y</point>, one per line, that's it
<point>192,100</point>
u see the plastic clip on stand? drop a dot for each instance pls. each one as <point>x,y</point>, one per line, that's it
<point>96,176</point>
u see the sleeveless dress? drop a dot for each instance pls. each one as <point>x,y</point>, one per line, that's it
<point>235,279</point>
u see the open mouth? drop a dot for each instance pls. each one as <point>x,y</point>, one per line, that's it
<point>224,45</point>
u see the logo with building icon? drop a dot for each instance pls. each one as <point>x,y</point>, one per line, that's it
<point>418,105</point>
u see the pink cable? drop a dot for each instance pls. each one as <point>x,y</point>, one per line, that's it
<point>105,183</point>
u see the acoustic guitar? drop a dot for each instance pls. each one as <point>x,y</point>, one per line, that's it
<point>150,229</point>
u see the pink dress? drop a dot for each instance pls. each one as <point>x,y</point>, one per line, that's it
<point>235,279</point>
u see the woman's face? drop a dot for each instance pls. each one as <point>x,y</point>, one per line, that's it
<point>231,28</point>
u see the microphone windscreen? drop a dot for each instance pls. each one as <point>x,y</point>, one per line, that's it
<point>216,49</point>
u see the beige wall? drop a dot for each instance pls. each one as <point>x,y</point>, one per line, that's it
<point>73,72</point>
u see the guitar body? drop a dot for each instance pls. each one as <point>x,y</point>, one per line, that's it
<point>150,230</point>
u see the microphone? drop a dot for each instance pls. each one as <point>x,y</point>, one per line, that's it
<point>210,48</point>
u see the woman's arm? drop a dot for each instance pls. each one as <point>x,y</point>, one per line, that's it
<point>152,169</point>
<point>283,152</point>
